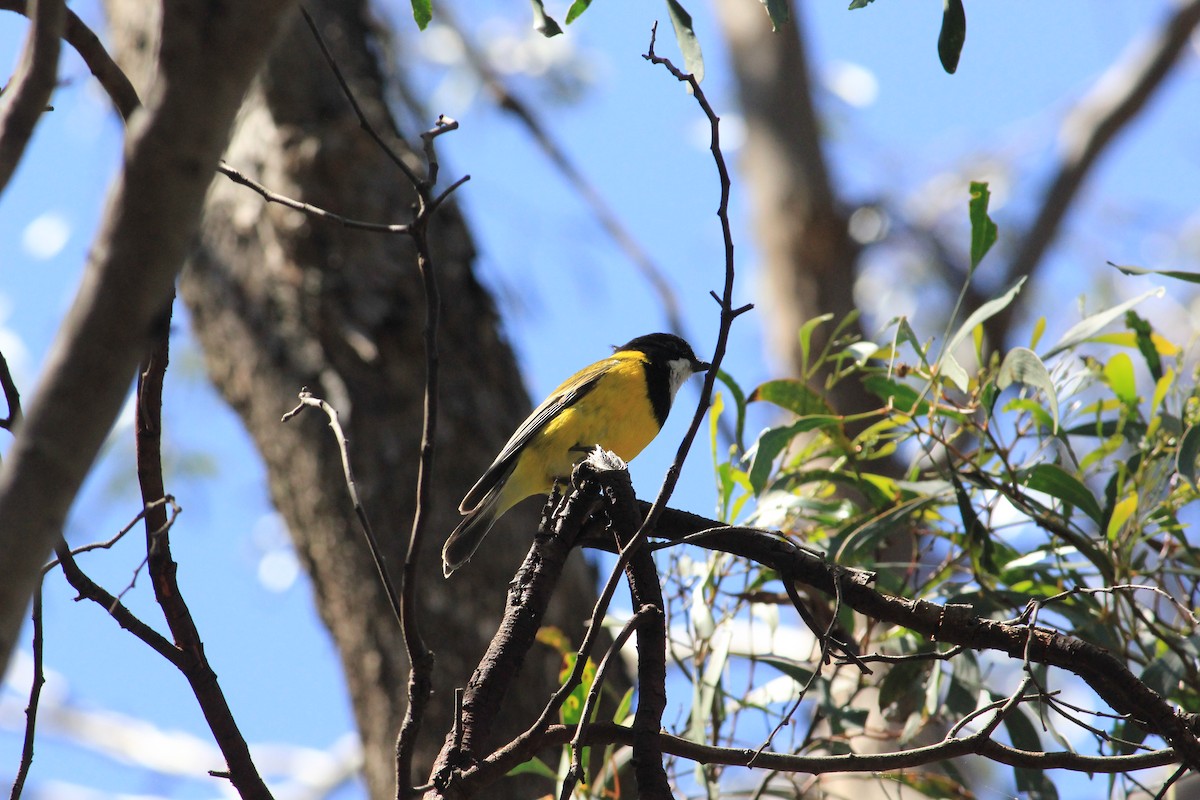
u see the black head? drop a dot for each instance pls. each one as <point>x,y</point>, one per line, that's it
<point>664,348</point>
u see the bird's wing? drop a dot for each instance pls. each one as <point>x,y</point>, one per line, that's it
<point>564,396</point>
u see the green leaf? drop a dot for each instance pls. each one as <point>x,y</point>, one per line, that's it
<point>777,10</point>
<point>739,400</point>
<point>1190,277</point>
<point>800,673</point>
<point>1031,782</point>
<point>534,766</point>
<point>543,23</point>
<point>1090,326</point>
<point>1145,342</point>
<point>805,335</point>
<point>791,395</point>
<point>422,12</point>
<point>1189,450</point>
<point>983,230</point>
<point>577,8</point>
<point>689,45</point>
<point>1057,482</point>
<point>985,312</point>
<point>1022,365</point>
<point>977,533</point>
<point>860,4</point>
<point>952,35</point>
<point>773,441</point>
<point>1118,372</point>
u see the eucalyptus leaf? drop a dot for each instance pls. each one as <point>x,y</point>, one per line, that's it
<point>422,11</point>
<point>985,312</point>
<point>1058,483</point>
<point>952,35</point>
<point>1022,365</point>
<point>1090,326</point>
<point>685,35</point>
<point>1179,275</point>
<point>778,11</point>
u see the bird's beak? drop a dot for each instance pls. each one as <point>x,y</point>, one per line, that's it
<point>701,366</point>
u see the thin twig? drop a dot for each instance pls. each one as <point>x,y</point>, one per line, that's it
<point>12,397</point>
<point>35,694</point>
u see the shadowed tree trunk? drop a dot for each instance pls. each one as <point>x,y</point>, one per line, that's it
<point>281,301</point>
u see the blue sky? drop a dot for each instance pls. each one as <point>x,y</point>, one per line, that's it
<point>899,128</point>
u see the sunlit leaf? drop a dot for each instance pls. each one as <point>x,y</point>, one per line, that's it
<point>1122,511</point>
<point>1118,372</point>
<point>577,8</point>
<point>982,314</point>
<point>1090,326</point>
<point>772,442</point>
<point>1039,328</point>
<point>1055,481</point>
<point>805,337</point>
<point>1022,365</point>
<point>950,42</point>
<point>951,370</point>
<point>689,45</point>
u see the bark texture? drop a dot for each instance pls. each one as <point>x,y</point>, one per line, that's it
<point>280,301</point>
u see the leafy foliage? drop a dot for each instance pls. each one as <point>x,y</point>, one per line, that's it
<point>1049,483</point>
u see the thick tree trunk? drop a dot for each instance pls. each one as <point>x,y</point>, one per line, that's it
<point>281,301</point>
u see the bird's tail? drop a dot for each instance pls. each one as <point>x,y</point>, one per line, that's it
<point>461,544</point>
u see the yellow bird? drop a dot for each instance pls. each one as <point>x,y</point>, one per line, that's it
<point>619,403</point>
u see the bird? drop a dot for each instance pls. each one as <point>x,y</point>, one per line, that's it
<point>619,403</point>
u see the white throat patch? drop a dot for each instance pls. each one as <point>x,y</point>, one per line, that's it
<point>681,370</point>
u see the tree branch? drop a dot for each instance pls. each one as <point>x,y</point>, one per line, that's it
<point>28,94</point>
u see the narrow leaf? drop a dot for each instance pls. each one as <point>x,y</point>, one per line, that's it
<point>1057,482</point>
<point>985,312</point>
<point>952,35</point>
<point>1022,365</point>
<point>689,45</point>
<point>577,8</point>
<point>983,230</point>
<point>1145,342</point>
<point>1090,326</point>
<point>1190,277</point>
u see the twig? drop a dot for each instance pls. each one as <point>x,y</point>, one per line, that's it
<point>12,397</point>
<point>309,400</point>
<point>593,696</point>
<point>35,694</point>
<point>242,772</point>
